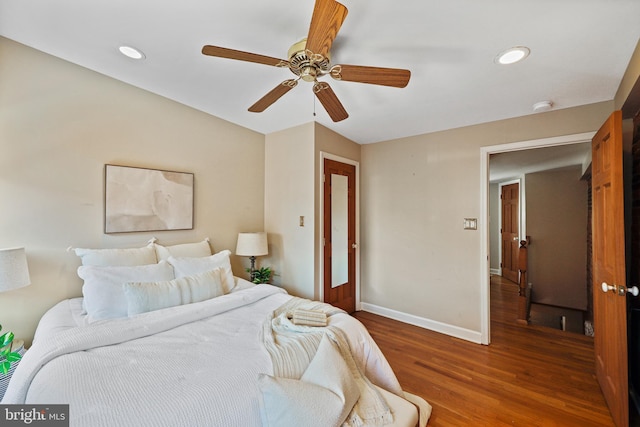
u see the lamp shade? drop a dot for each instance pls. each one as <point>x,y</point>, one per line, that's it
<point>252,244</point>
<point>14,272</point>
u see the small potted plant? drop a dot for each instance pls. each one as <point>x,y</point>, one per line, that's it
<point>7,356</point>
<point>261,275</point>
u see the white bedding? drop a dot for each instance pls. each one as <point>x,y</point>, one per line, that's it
<point>194,365</point>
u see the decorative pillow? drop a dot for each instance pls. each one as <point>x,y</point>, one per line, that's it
<point>117,257</point>
<point>103,292</point>
<point>185,250</point>
<point>323,396</point>
<point>190,266</point>
<point>148,296</point>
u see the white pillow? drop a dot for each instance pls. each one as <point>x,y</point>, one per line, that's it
<point>199,249</point>
<point>103,293</point>
<point>117,257</point>
<point>324,395</point>
<point>190,266</point>
<point>242,284</point>
<point>148,296</point>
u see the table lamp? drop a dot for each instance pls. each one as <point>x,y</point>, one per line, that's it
<point>14,272</point>
<point>252,245</point>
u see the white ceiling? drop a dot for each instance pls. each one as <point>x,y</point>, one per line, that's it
<point>514,164</point>
<point>579,52</point>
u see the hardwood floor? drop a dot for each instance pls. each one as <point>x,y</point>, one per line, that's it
<point>527,376</point>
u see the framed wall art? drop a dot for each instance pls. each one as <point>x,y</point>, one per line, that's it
<point>138,199</point>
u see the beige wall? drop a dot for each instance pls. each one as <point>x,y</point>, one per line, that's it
<point>416,258</point>
<point>556,214</point>
<point>59,125</point>
<point>631,75</point>
<point>289,194</point>
<point>292,189</point>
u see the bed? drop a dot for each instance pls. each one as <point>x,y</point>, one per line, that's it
<point>208,362</point>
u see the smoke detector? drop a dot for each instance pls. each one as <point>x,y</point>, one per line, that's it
<point>542,106</point>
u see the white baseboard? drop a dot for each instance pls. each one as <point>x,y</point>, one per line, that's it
<point>495,271</point>
<point>432,325</point>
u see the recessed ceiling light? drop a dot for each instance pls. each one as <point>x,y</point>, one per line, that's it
<point>131,52</point>
<point>512,55</point>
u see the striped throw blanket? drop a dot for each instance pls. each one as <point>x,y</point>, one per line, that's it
<point>293,346</point>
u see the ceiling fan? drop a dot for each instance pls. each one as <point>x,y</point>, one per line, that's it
<point>310,59</point>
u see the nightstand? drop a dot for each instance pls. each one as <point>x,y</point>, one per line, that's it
<point>17,346</point>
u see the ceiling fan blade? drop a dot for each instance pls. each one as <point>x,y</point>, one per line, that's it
<point>275,94</point>
<point>394,77</point>
<point>327,18</point>
<point>223,52</point>
<point>330,101</point>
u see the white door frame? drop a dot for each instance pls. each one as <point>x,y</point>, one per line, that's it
<point>485,153</point>
<point>320,240</point>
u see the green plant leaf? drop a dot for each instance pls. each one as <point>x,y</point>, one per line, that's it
<point>4,367</point>
<point>13,357</point>
<point>6,339</point>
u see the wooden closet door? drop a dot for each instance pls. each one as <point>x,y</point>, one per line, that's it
<point>510,199</point>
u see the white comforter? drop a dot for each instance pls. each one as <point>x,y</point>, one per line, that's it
<point>192,365</point>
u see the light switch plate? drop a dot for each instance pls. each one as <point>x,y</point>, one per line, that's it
<point>470,224</point>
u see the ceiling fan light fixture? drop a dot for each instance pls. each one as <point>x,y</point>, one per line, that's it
<point>512,55</point>
<point>309,74</point>
<point>131,52</point>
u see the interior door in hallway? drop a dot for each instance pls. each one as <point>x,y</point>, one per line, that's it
<point>510,197</point>
<point>339,232</point>
<point>609,280</point>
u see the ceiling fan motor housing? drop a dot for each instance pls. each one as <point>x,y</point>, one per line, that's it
<point>305,64</point>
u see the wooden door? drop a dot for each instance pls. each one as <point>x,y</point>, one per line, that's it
<point>339,233</point>
<point>509,231</point>
<point>609,287</point>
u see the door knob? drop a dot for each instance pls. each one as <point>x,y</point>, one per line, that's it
<point>633,291</point>
<point>354,245</point>
<point>606,287</point>
<point>516,238</point>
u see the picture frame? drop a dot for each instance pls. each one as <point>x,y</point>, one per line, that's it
<point>141,199</point>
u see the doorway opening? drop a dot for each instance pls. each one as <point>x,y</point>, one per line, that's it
<point>485,215</point>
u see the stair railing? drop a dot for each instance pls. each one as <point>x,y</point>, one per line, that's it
<point>524,292</point>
